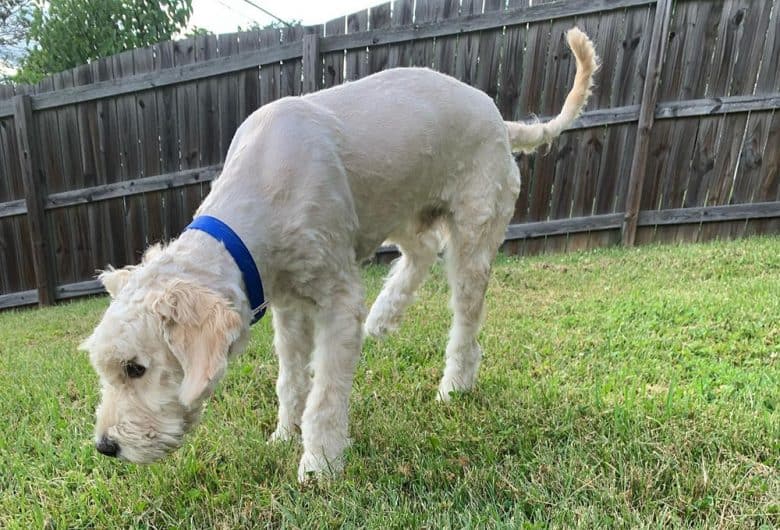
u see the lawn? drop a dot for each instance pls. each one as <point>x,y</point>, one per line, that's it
<point>619,389</point>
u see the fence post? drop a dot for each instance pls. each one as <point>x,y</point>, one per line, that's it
<point>35,194</point>
<point>311,60</point>
<point>655,59</point>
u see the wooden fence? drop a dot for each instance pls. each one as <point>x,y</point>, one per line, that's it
<point>681,141</point>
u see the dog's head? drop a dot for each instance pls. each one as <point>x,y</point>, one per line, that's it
<point>159,351</point>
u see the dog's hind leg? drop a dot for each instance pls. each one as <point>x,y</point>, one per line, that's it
<point>337,344</point>
<point>293,342</point>
<point>418,252</point>
<point>477,228</point>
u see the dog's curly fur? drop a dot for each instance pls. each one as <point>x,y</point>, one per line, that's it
<point>313,185</point>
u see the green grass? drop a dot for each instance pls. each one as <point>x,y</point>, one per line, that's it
<point>619,389</point>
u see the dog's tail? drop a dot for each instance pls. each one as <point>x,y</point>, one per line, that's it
<point>527,137</point>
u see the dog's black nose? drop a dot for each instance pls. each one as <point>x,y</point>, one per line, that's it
<point>107,446</point>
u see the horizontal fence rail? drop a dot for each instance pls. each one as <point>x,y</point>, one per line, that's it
<point>676,144</point>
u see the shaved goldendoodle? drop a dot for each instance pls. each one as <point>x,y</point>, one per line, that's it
<point>310,187</point>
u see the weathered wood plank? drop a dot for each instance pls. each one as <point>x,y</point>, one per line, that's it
<point>646,116</point>
<point>73,156</point>
<point>400,53</point>
<point>228,95</point>
<point>446,46</point>
<point>9,266</point>
<point>149,148</point>
<point>106,167</point>
<point>134,220</point>
<point>709,148</point>
<point>379,19</point>
<point>35,191</point>
<point>292,68</point>
<point>490,43</point>
<point>207,105</point>
<point>467,56</point>
<point>128,188</point>
<point>617,136</point>
<point>19,299</point>
<point>74,290</point>
<point>63,292</point>
<point>12,208</point>
<point>248,80</point>
<point>89,145</point>
<point>271,73</point>
<point>333,60</point>
<point>311,62</point>
<point>685,76</point>
<point>16,249</point>
<point>708,214</point>
<point>168,132</point>
<point>184,53</point>
<point>357,59</point>
<point>171,76</point>
<point>563,226</point>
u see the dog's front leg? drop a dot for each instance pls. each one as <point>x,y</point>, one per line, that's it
<point>336,352</point>
<point>293,342</point>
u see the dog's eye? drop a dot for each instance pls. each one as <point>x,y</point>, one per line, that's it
<point>134,370</point>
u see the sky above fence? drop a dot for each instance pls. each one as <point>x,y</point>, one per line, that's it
<point>224,16</point>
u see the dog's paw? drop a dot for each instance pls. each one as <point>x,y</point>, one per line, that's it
<point>378,329</point>
<point>285,434</point>
<point>314,467</point>
<point>450,385</point>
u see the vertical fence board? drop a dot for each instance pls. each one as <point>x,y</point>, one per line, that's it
<point>149,145</point>
<point>490,54</point>
<point>270,74</point>
<point>35,192</point>
<point>189,131</point>
<point>611,31</point>
<point>425,11</point>
<point>467,54</point>
<point>403,15</point>
<point>637,177</point>
<point>207,105</point>
<point>248,80</point>
<point>18,248</point>
<point>292,69</point>
<point>378,56</point>
<point>168,133</point>
<point>333,62</point>
<point>76,227</point>
<point>94,256</point>
<point>135,206</point>
<point>11,278</point>
<point>446,47</point>
<point>228,95</point>
<point>357,60</point>
<point>50,152</point>
<point>312,72</point>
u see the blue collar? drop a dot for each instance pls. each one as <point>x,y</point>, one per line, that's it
<point>223,233</point>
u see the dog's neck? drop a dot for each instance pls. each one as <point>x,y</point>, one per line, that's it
<point>198,257</point>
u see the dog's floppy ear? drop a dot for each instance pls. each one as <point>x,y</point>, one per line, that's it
<point>199,327</point>
<point>114,279</point>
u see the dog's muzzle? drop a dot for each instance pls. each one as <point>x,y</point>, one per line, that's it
<point>107,446</point>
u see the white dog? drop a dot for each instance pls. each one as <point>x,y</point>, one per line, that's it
<point>313,185</point>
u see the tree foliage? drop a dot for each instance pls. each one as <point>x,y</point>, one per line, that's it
<point>14,24</point>
<point>67,33</point>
